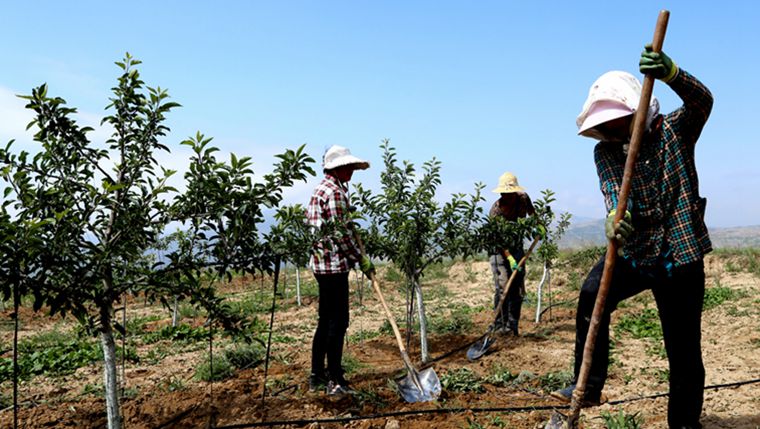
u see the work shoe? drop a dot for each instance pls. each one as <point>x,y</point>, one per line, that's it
<point>317,382</point>
<point>592,399</point>
<point>336,389</point>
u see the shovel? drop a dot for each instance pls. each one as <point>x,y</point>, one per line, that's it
<point>480,347</point>
<point>416,386</point>
<point>559,421</point>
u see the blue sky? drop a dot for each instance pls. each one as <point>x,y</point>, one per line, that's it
<point>485,87</point>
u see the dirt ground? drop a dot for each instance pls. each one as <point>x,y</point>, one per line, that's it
<point>731,351</point>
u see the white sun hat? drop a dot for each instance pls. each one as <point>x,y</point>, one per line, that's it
<point>337,156</point>
<point>613,95</point>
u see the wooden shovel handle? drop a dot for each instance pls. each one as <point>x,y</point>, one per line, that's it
<point>388,314</point>
<point>639,124</point>
<point>512,277</point>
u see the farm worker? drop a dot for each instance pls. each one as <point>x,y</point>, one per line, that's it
<point>513,203</point>
<point>332,259</point>
<point>663,237</point>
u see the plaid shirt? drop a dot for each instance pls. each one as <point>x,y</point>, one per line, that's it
<point>667,211</point>
<point>336,252</point>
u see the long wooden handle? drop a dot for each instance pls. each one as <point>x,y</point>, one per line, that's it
<point>504,292</point>
<point>388,313</point>
<point>639,124</point>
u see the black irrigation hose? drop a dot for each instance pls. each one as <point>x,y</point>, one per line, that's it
<point>452,352</point>
<point>459,410</point>
<point>711,387</point>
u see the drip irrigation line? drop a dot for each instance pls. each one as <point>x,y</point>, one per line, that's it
<point>710,387</point>
<point>460,410</point>
<point>557,304</point>
<point>453,352</point>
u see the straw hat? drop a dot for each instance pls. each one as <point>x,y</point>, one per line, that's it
<point>508,184</point>
<point>337,156</point>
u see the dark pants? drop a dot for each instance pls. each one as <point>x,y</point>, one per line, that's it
<point>331,326</point>
<point>679,302</point>
<point>510,309</point>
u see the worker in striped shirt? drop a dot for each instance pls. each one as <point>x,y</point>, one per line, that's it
<point>333,256</point>
<point>662,238</point>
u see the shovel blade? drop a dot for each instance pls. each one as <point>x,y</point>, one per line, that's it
<point>558,421</point>
<point>477,350</point>
<point>428,390</point>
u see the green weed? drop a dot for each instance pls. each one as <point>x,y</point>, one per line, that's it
<point>501,376</point>
<point>662,375</point>
<point>222,369</point>
<point>172,384</point>
<point>187,311</point>
<point>351,364</point>
<point>366,397</point>
<point>245,356</point>
<point>363,335</point>
<point>552,381</point>
<point>457,322</point>
<point>473,424</point>
<point>52,353</point>
<point>621,420</point>
<point>717,295</point>
<point>96,389</point>
<point>462,380</point>
<point>645,324</point>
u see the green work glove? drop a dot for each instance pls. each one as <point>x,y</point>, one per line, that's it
<point>540,232</point>
<point>657,64</point>
<point>619,232</point>
<point>513,264</point>
<point>366,266</point>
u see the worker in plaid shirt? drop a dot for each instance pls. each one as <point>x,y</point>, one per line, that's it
<point>663,238</point>
<point>332,259</point>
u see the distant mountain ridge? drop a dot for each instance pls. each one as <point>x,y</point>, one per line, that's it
<point>587,233</point>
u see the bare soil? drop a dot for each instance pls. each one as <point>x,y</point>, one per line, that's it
<point>731,351</point>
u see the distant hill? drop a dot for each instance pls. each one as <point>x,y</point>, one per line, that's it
<point>586,233</point>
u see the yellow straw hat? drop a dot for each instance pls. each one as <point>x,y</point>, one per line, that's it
<point>507,184</point>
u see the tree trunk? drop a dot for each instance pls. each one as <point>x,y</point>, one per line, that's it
<point>16,305</point>
<point>175,313</point>
<point>423,322</point>
<point>109,369</point>
<point>298,286</point>
<point>538,294</point>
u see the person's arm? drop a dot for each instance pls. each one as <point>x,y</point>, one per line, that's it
<point>337,209</point>
<point>610,171</point>
<point>690,118</point>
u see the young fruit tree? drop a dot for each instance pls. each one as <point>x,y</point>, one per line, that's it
<point>22,243</point>
<point>409,227</point>
<point>104,206</point>
<point>548,251</point>
<point>223,211</point>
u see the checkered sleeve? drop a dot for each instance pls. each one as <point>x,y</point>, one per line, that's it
<point>337,208</point>
<point>691,117</point>
<point>610,174</point>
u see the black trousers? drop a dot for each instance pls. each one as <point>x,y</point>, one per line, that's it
<point>679,300</point>
<point>509,314</point>
<point>331,326</point>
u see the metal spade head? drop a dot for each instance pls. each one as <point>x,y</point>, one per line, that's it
<point>558,421</point>
<point>428,389</point>
<point>480,348</point>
